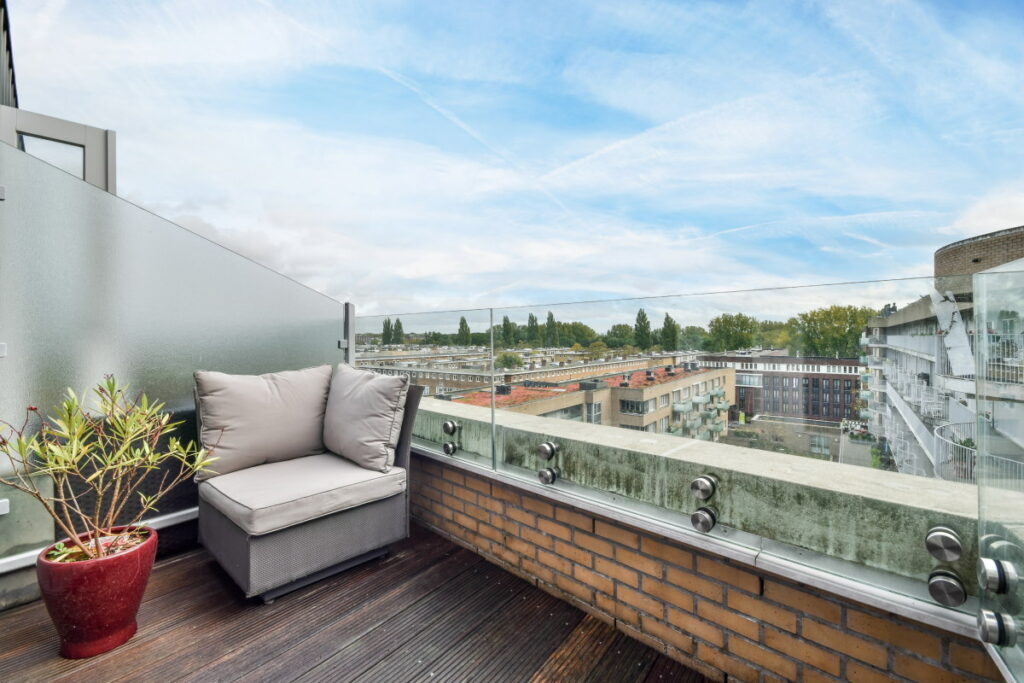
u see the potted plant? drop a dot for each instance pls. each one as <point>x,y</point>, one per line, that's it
<point>92,581</point>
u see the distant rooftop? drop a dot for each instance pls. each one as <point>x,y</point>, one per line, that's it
<point>522,394</point>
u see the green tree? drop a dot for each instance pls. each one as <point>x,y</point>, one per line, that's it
<point>597,350</point>
<point>437,339</point>
<point>551,331</point>
<point>532,331</point>
<point>670,334</point>
<point>385,336</point>
<point>692,337</point>
<point>833,331</point>
<point>619,335</point>
<point>507,359</point>
<point>642,330</point>
<point>576,333</point>
<point>397,333</point>
<point>731,332</point>
<point>463,337</point>
<point>774,334</point>
<point>508,332</point>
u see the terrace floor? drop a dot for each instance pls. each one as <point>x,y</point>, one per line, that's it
<point>430,611</point>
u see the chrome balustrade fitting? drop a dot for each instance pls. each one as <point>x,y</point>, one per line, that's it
<point>549,475</point>
<point>547,450</point>
<point>704,486</point>
<point>449,427</point>
<point>449,448</point>
<point>946,588</point>
<point>944,544</point>
<point>704,519</point>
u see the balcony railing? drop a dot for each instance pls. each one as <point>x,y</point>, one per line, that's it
<point>682,406</point>
<point>956,452</point>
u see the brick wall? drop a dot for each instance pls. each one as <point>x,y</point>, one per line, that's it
<point>718,617</point>
<point>980,253</point>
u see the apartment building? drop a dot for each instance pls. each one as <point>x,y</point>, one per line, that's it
<point>922,365</point>
<point>811,388</point>
<point>666,400</point>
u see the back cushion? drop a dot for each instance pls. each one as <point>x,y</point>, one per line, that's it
<point>248,420</point>
<point>364,416</point>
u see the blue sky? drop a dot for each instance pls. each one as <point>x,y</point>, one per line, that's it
<point>417,156</point>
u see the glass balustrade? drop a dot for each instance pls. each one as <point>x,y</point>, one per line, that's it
<point>622,387</point>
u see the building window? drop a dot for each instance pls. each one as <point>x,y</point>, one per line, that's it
<point>663,425</point>
<point>677,395</point>
<point>819,444</point>
<point>663,400</point>
<point>632,407</point>
<point>633,427</point>
<point>594,413</point>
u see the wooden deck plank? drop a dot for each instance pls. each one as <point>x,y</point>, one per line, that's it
<point>431,611</point>
<point>463,602</point>
<point>576,657</point>
<point>625,660</point>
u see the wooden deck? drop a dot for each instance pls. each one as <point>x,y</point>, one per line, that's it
<point>430,611</point>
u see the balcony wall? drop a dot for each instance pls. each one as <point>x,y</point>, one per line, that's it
<point>716,615</point>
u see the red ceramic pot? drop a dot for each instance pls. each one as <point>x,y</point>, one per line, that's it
<point>93,603</point>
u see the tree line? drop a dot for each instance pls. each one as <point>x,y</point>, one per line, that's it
<point>832,331</point>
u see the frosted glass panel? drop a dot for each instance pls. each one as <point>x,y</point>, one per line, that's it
<point>91,284</point>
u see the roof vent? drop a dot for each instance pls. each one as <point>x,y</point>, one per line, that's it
<point>504,389</point>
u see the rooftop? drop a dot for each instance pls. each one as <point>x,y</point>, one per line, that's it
<point>524,394</point>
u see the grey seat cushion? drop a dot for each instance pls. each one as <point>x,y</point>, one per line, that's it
<point>364,416</point>
<point>249,420</point>
<point>281,494</point>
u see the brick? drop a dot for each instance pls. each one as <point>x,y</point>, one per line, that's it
<point>802,651</point>
<point>505,524</point>
<point>506,494</point>
<point>465,494</point>
<point>974,659</point>
<point>489,532</point>
<point>639,600</point>
<point>520,546</point>
<point>616,608</point>
<point>656,644</point>
<point>812,676</point>
<point>573,587</point>
<point>464,520</point>
<point>477,513</point>
<point>840,641</point>
<point>575,519</point>
<point>764,611</point>
<point>640,562</point>
<point>537,538</point>
<point>666,552</point>
<point>492,504</point>
<point>668,593</point>
<point>687,623</point>
<point>554,561</point>
<point>688,660</point>
<point>506,554</point>
<point>594,544</point>
<point>896,634</point>
<point>594,580</point>
<point>617,571</point>
<point>695,584</point>
<point>454,476</point>
<point>678,640</point>
<point>521,516</point>
<point>616,534</point>
<point>539,506</point>
<point>726,618</point>
<point>720,660</point>
<point>571,552</point>
<point>479,485</point>
<point>452,502</point>
<point>919,670</point>
<point>862,673</point>
<point>763,657</point>
<point>802,601</point>
<point>537,571</point>
<point>721,571</point>
<point>554,529</point>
